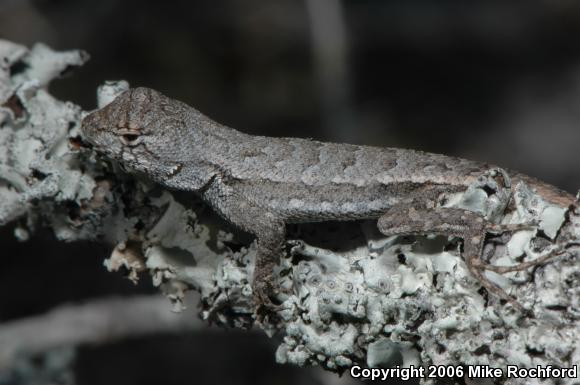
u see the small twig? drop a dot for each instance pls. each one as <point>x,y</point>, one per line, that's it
<point>94,322</point>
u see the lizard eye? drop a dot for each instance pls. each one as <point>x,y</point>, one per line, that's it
<point>130,139</point>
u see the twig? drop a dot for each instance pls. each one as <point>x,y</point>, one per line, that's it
<point>96,322</point>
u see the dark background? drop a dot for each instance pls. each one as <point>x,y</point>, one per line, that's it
<point>497,81</point>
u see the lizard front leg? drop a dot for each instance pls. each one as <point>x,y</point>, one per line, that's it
<point>405,219</point>
<point>269,230</point>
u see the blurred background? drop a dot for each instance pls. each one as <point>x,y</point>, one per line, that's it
<point>496,81</point>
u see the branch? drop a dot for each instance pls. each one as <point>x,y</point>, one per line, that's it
<point>351,295</point>
<point>96,322</point>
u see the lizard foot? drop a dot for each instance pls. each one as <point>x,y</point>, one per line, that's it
<point>520,266</point>
<point>265,306</point>
<point>476,267</point>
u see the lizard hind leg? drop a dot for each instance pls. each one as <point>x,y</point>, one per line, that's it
<point>405,219</point>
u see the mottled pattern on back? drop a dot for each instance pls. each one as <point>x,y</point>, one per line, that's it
<point>260,184</point>
<point>315,163</point>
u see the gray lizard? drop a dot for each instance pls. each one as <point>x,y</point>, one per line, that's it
<point>260,184</point>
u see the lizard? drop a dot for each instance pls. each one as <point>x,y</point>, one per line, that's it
<point>260,184</point>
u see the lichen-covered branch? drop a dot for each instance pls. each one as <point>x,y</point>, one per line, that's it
<point>350,294</point>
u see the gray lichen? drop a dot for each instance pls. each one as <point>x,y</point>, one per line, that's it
<point>350,295</point>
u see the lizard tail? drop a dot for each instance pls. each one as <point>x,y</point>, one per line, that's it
<point>550,193</point>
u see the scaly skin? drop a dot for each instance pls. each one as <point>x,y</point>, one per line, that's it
<point>261,183</point>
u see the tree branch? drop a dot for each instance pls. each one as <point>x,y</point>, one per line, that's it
<point>352,295</point>
<point>95,322</point>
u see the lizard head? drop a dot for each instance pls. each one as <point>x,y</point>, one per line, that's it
<point>141,129</point>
